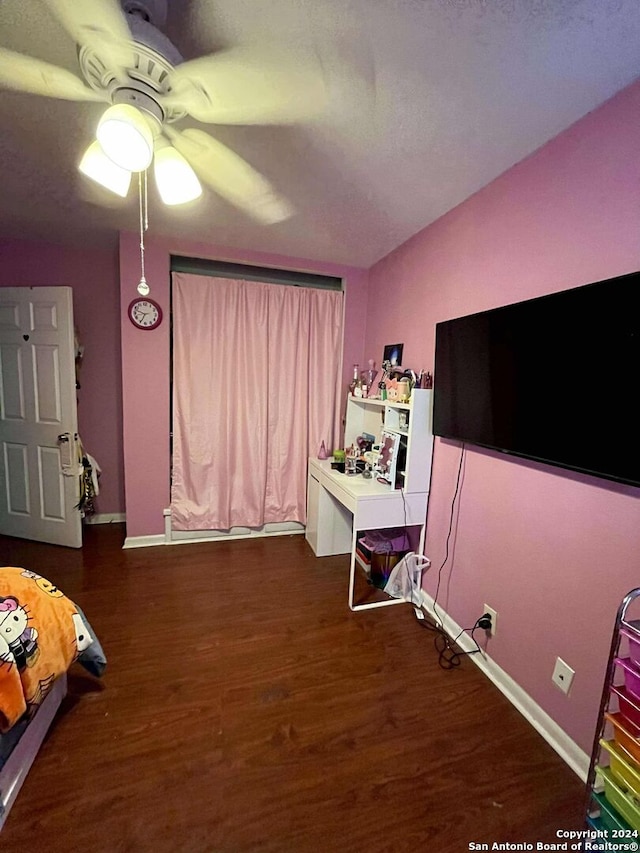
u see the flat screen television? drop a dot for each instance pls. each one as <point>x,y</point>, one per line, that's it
<point>555,379</point>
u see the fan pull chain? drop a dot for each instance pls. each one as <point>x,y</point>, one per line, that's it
<point>143,287</point>
<point>146,197</point>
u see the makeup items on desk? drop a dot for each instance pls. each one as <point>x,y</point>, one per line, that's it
<point>355,462</point>
<point>339,460</point>
<point>359,458</point>
<point>365,442</point>
<point>350,462</point>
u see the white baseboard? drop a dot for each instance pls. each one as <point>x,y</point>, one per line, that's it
<point>105,518</point>
<point>227,537</point>
<point>195,536</point>
<point>144,541</point>
<point>274,528</point>
<point>567,749</point>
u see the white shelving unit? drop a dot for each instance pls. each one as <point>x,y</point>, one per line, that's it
<point>340,506</point>
<point>416,439</point>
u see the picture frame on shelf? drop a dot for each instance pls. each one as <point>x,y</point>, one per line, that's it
<point>386,464</point>
<point>393,354</point>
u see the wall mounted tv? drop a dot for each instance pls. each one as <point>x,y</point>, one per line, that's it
<point>554,379</point>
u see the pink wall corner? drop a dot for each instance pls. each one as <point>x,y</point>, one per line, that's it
<point>552,552</point>
<point>93,275</point>
<point>146,361</point>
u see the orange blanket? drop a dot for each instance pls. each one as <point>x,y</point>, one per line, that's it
<point>41,634</point>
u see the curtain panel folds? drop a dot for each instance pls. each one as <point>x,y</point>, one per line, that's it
<point>256,385</point>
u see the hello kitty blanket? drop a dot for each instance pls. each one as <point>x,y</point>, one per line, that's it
<point>41,633</point>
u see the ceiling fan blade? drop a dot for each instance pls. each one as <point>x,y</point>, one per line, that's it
<point>27,74</point>
<point>101,26</point>
<point>230,176</point>
<point>242,86</point>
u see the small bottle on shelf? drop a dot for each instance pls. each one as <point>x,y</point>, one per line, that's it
<point>354,381</point>
<point>425,380</point>
<point>371,373</point>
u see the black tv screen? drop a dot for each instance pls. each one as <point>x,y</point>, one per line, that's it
<point>554,379</point>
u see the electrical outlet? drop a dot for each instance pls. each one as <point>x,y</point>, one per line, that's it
<point>562,675</point>
<point>494,619</point>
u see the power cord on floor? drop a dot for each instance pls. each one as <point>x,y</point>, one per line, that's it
<point>450,657</point>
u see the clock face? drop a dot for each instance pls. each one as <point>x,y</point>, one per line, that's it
<point>145,313</point>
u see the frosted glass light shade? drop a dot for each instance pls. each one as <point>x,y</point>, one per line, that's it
<point>126,137</point>
<point>96,165</point>
<point>176,181</point>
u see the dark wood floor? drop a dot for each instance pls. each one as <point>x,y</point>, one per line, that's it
<point>245,708</point>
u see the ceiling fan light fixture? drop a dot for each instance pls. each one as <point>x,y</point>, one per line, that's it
<point>125,137</point>
<point>176,181</point>
<point>96,165</point>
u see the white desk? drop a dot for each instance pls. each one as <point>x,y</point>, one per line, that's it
<point>339,506</point>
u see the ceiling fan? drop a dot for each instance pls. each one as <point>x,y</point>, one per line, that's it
<point>127,62</point>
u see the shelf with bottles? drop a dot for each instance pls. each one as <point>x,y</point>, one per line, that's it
<point>376,402</point>
<point>391,383</point>
<point>362,381</point>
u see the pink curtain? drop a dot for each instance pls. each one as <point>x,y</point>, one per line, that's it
<point>255,391</point>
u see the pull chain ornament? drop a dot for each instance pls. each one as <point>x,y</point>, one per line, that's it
<point>143,287</point>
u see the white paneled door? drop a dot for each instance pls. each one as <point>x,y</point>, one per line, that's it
<point>39,482</point>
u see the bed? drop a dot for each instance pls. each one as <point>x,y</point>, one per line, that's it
<point>42,633</point>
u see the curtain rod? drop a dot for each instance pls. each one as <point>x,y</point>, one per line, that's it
<point>223,269</point>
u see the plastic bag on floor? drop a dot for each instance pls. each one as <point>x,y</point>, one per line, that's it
<point>405,580</point>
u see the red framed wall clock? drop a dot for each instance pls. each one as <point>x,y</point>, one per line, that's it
<point>145,314</point>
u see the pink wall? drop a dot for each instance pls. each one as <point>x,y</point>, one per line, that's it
<point>93,275</point>
<point>145,363</point>
<point>552,552</point>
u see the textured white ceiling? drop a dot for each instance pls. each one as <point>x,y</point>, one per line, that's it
<point>430,100</point>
